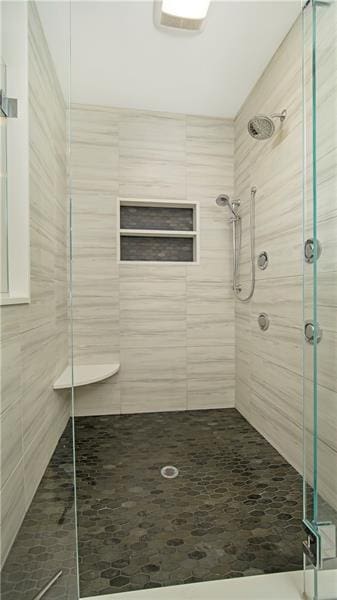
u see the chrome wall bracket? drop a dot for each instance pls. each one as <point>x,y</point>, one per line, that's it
<point>320,544</point>
<point>312,332</point>
<point>8,106</point>
<point>312,545</point>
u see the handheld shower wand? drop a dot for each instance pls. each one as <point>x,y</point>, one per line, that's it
<point>224,200</point>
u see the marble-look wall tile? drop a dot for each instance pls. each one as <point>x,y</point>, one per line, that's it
<point>155,291</point>
<point>139,329</point>
<point>12,498</point>
<point>243,399</point>
<point>34,336</point>
<point>210,146</point>
<point>210,330</point>
<point>327,418</point>
<point>205,365</point>
<point>284,338</point>
<point>152,155</point>
<point>285,435</point>
<point>11,440</point>
<point>95,156</point>
<point>278,387</point>
<point>37,453</point>
<point>144,364</point>
<point>153,396</point>
<point>11,369</point>
<point>211,393</point>
<point>269,365</point>
<point>38,369</point>
<point>153,316</point>
<point>98,399</point>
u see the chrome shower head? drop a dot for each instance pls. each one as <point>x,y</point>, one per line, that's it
<point>223,200</point>
<point>262,127</point>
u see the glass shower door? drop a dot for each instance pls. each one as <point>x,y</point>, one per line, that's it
<point>320,298</point>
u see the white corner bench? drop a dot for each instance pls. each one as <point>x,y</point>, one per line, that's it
<point>84,375</point>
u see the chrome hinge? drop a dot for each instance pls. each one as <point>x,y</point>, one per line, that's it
<point>312,545</point>
<point>8,106</point>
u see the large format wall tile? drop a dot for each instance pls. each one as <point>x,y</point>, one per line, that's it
<point>210,330</point>
<point>145,364</point>
<point>11,369</point>
<point>94,157</point>
<point>283,340</point>
<point>153,396</point>
<point>211,393</point>
<point>141,328</point>
<point>12,508</point>
<point>11,440</point>
<point>98,399</point>
<point>208,366</point>
<point>278,429</point>
<point>269,365</point>
<point>172,325</point>
<point>34,336</point>
<point>152,155</point>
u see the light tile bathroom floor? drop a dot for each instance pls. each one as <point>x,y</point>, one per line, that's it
<point>234,509</point>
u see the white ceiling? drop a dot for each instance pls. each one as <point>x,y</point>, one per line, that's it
<point>119,58</point>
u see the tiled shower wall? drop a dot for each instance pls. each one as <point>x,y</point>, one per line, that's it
<point>269,364</point>
<point>171,326</point>
<point>34,336</point>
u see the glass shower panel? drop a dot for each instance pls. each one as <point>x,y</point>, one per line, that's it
<point>320,295</point>
<point>3,184</point>
<point>325,285</point>
<point>38,528</point>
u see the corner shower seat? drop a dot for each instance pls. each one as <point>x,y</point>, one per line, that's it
<point>85,374</point>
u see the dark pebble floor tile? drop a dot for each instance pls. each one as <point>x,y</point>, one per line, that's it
<point>235,508</point>
<point>46,541</point>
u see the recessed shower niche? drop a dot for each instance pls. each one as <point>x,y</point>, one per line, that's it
<point>157,231</point>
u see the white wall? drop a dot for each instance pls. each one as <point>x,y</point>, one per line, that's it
<point>14,54</point>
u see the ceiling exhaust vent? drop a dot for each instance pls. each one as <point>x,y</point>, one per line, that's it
<point>181,15</point>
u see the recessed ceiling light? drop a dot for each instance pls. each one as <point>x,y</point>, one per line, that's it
<point>186,9</point>
<point>186,15</point>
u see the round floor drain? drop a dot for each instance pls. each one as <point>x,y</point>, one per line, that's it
<point>169,472</point>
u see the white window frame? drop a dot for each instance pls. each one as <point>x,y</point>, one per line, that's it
<point>14,36</point>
